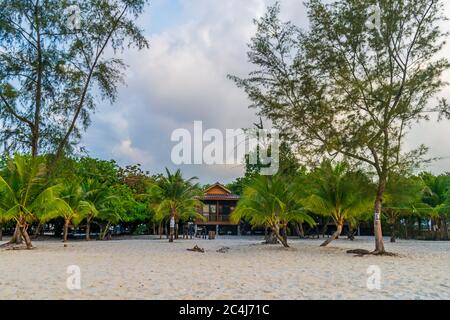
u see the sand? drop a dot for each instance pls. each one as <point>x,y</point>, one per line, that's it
<point>155,269</point>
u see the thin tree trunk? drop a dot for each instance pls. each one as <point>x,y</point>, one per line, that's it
<point>334,236</point>
<point>270,237</point>
<point>325,227</point>
<point>444,228</point>
<point>299,230</point>
<point>302,232</point>
<point>160,230</point>
<point>172,224</point>
<point>282,239</point>
<point>38,94</point>
<point>105,231</point>
<point>17,236</point>
<point>24,233</point>
<point>88,229</point>
<point>66,229</point>
<point>80,104</point>
<point>1,231</point>
<point>379,244</point>
<point>392,232</point>
<point>284,233</point>
<point>351,233</point>
<point>38,231</point>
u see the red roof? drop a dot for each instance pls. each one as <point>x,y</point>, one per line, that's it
<point>225,193</point>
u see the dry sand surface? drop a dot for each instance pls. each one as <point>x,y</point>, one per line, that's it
<point>154,269</point>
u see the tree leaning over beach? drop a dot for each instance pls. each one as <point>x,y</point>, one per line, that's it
<point>354,83</point>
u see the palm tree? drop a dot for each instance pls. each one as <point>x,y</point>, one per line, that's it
<point>437,196</point>
<point>117,205</point>
<point>24,194</point>
<point>71,206</point>
<point>271,201</point>
<point>95,198</point>
<point>338,193</point>
<point>403,197</point>
<point>174,198</point>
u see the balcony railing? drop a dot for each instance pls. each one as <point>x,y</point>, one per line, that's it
<point>218,218</point>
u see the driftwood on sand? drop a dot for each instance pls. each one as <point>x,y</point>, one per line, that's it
<point>363,252</point>
<point>197,249</point>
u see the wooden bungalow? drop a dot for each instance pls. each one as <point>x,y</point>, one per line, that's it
<point>218,204</point>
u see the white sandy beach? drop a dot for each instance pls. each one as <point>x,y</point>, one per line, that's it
<point>155,269</point>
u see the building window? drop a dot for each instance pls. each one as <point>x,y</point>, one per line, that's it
<point>206,210</point>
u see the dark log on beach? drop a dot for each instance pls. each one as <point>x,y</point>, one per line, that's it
<point>197,249</point>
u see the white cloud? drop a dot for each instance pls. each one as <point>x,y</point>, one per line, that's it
<point>183,78</point>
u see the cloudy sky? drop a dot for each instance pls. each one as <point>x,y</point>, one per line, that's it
<point>182,78</point>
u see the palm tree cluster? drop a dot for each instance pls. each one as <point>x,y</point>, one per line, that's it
<point>173,199</point>
<point>85,192</point>
<point>336,192</point>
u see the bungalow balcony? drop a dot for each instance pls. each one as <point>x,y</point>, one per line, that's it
<point>217,218</point>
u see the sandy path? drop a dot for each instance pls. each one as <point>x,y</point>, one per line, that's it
<point>155,269</point>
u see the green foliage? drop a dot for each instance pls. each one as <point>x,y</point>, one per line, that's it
<point>403,196</point>
<point>436,196</point>
<point>24,194</point>
<point>52,75</point>
<point>337,192</point>
<point>172,193</point>
<point>271,201</point>
<point>346,87</point>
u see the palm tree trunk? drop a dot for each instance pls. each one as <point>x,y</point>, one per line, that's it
<point>282,239</point>
<point>325,227</point>
<point>301,231</point>
<point>444,228</point>
<point>38,231</point>
<point>392,232</point>
<point>270,236</point>
<point>351,233</point>
<point>104,231</point>
<point>284,232</point>
<point>298,227</point>
<point>160,230</point>
<point>1,231</point>
<point>334,236</point>
<point>88,229</point>
<point>17,236</point>
<point>66,229</point>
<point>172,224</point>
<point>24,233</point>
